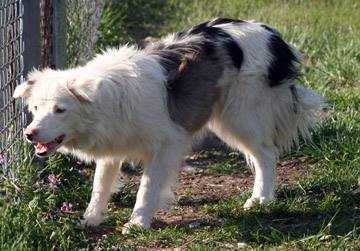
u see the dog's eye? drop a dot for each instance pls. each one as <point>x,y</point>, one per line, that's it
<point>59,110</point>
<point>35,108</point>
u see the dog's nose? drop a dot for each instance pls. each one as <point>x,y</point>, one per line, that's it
<point>29,134</point>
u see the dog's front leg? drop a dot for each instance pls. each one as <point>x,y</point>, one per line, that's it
<point>161,171</point>
<point>105,174</point>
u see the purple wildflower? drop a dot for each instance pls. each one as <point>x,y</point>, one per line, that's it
<point>53,181</point>
<point>66,207</point>
<point>2,159</point>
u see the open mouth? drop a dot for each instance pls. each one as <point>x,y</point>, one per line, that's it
<point>44,149</point>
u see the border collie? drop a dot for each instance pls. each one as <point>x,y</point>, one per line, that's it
<point>235,78</point>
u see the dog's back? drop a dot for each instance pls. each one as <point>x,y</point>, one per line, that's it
<point>240,72</point>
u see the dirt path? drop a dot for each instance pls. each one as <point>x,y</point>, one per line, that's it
<point>198,186</point>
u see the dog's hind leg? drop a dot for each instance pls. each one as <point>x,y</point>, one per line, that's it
<point>105,174</point>
<point>263,159</point>
<point>159,174</point>
<point>251,133</point>
<point>260,155</point>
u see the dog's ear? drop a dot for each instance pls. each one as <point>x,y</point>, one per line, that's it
<point>23,90</point>
<point>83,89</point>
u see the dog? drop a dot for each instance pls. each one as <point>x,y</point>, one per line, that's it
<point>238,79</point>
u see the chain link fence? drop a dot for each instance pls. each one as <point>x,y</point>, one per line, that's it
<point>37,34</point>
<point>11,74</point>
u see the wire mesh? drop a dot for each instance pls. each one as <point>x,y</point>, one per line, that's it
<point>82,21</point>
<point>11,73</point>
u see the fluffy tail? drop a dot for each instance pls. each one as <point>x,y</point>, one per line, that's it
<point>296,116</point>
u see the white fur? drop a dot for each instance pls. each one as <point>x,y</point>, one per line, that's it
<point>123,115</point>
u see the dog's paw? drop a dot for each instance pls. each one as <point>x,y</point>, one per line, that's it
<point>253,201</point>
<point>90,221</point>
<point>130,227</point>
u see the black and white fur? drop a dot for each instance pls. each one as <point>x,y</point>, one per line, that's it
<point>235,78</point>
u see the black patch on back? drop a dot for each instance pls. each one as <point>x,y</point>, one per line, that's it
<point>209,49</point>
<point>271,29</point>
<point>192,77</point>
<point>217,34</point>
<point>224,20</point>
<point>193,92</point>
<point>172,56</point>
<point>283,65</point>
<point>193,69</point>
<point>235,53</point>
<point>169,59</point>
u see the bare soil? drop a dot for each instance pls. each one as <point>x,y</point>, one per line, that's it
<point>198,187</point>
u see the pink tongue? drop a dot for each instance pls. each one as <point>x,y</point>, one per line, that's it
<point>41,148</point>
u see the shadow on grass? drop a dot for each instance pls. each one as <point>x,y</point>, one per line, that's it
<point>274,228</point>
<point>312,215</point>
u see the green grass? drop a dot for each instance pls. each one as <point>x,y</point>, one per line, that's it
<point>319,212</point>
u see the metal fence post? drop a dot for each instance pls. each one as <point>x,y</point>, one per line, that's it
<point>31,41</point>
<point>59,33</point>
<point>19,53</point>
<point>31,35</point>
